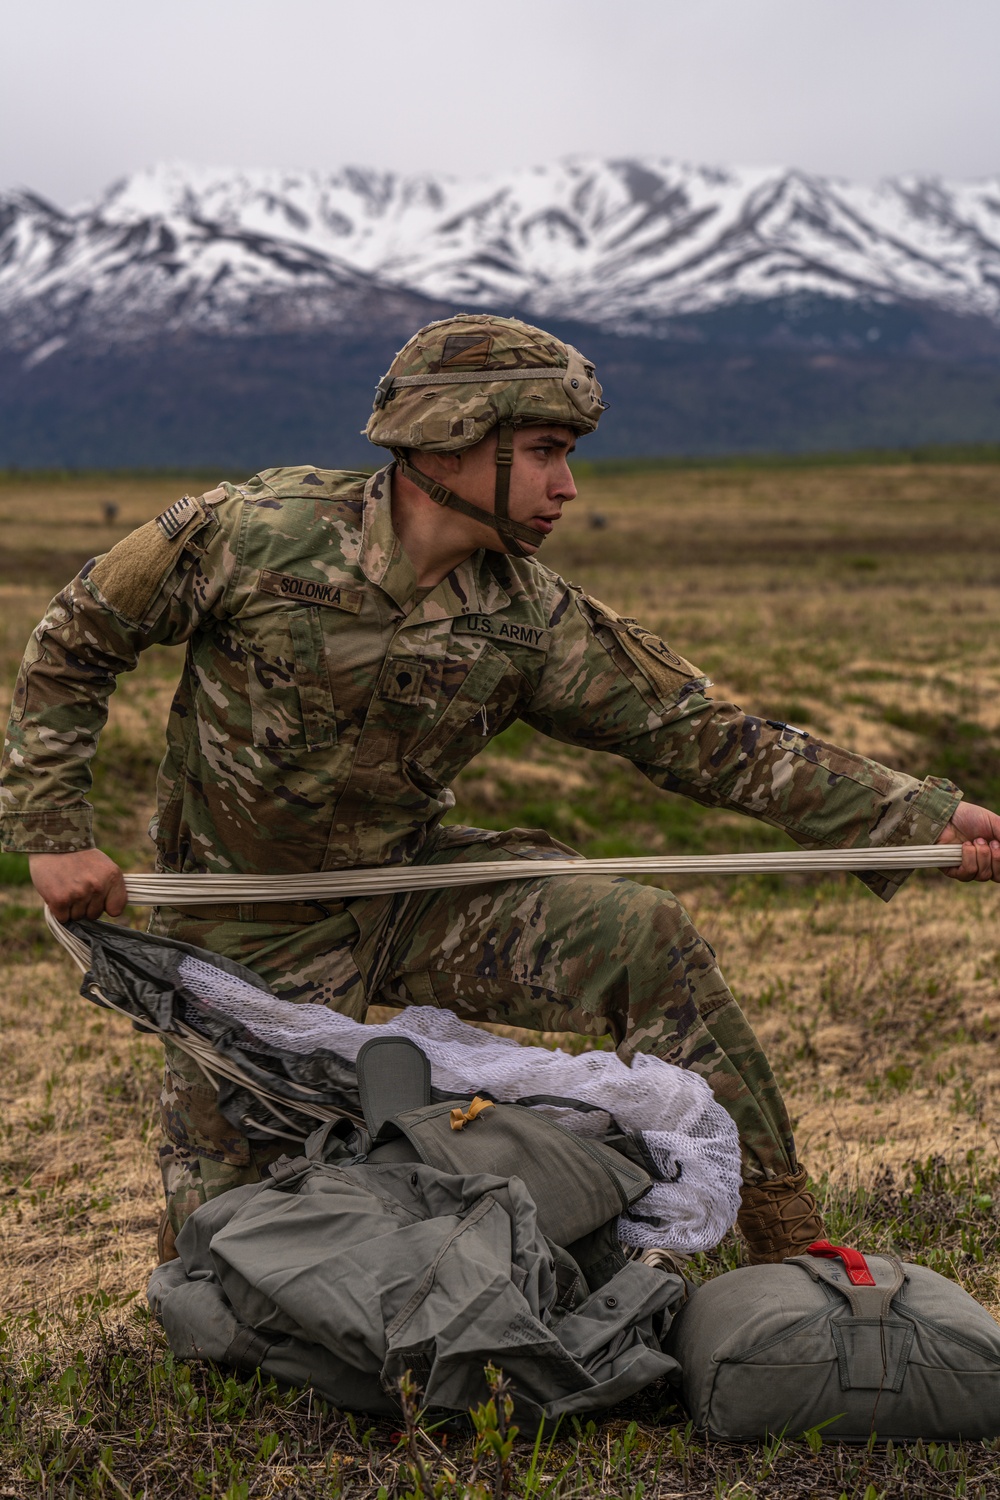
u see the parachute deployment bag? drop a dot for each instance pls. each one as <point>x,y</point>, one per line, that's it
<point>343,1277</point>
<point>577,1184</point>
<point>422,1247</point>
<point>860,1344</point>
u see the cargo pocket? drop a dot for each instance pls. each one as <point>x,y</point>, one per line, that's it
<point>190,1117</point>
<point>288,683</point>
<point>482,706</point>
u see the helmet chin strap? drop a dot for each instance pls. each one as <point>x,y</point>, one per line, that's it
<point>511,533</point>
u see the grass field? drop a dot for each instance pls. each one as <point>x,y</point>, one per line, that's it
<point>861,602</point>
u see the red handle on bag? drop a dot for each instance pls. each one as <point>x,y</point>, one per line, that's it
<point>855,1264</point>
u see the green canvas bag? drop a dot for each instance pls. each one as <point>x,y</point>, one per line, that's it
<point>342,1278</point>
<point>579,1185</point>
<point>857,1344</point>
<point>439,1238</point>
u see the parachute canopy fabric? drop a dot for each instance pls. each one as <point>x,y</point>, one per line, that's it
<point>279,1067</point>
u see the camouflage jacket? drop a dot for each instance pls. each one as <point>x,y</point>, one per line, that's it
<point>324,707</point>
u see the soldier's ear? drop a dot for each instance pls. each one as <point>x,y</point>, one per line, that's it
<point>443,466</point>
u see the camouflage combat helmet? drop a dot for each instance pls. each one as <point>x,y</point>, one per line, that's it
<point>456,380</point>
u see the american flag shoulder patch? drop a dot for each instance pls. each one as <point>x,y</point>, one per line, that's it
<point>174,519</point>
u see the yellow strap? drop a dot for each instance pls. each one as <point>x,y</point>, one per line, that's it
<point>461,1117</point>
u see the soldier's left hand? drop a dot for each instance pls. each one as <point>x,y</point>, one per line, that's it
<point>978,831</point>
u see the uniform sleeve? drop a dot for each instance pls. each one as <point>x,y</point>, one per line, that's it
<point>156,586</point>
<point>610,685</point>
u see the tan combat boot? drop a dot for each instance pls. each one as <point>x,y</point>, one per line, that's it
<point>166,1246</point>
<point>778,1218</point>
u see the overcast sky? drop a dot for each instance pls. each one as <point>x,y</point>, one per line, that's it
<point>93,89</point>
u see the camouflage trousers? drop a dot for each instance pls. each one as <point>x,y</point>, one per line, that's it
<point>588,954</point>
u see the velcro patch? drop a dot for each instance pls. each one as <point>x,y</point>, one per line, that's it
<point>466,351</point>
<point>658,648</point>
<point>504,632</point>
<point>174,519</point>
<point>310,591</point>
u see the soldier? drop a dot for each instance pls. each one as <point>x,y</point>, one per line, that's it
<point>352,642</point>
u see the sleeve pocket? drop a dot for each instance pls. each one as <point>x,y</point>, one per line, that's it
<point>32,652</point>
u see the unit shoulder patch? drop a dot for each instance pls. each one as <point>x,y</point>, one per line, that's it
<point>652,643</point>
<point>296,590</point>
<point>503,631</point>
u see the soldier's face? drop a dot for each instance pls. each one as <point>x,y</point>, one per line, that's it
<point>540,479</point>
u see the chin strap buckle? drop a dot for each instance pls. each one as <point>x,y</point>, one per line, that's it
<point>505,446</point>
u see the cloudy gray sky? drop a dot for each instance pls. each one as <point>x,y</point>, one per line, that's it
<point>92,89</point>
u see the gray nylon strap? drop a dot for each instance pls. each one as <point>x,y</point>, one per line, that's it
<point>476,377</point>
<point>508,529</point>
<point>865,1301</point>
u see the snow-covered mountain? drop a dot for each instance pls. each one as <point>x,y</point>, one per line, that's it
<point>623,245</point>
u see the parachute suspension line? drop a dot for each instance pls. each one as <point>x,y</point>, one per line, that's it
<point>193,890</point>
<point>211,1063</point>
<point>166,889</point>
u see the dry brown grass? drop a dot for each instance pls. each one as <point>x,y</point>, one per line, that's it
<point>862,603</point>
<point>78,1102</point>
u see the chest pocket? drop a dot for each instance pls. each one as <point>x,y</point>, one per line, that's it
<point>482,706</point>
<point>288,682</point>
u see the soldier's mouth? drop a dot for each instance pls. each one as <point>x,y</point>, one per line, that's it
<point>544,524</point>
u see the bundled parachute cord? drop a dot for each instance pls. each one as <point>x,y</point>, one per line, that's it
<point>212,1064</point>
<point>166,889</point>
<point>267,1056</point>
<point>193,890</point>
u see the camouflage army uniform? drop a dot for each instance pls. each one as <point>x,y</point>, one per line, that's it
<point>323,710</point>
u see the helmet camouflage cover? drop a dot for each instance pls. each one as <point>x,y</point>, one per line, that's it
<point>457,380</point>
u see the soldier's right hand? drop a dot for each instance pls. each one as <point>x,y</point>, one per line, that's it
<point>83,884</point>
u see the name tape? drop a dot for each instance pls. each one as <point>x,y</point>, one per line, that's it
<point>310,591</point>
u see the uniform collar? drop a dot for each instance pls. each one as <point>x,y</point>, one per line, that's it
<point>472,588</point>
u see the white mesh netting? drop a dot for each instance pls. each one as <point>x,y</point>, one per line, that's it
<point>690,1137</point>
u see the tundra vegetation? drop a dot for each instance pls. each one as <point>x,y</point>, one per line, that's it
<point>859,601</point>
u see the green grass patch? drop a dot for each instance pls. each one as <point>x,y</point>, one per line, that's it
<point>960,749</point>
<point>100,1407</point>
<point>14,869</point>
<point>24,937</point>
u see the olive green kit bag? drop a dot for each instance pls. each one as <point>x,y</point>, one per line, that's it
<point>857,1345</point>
<point>447,1235</point>
<point>443,1237</point>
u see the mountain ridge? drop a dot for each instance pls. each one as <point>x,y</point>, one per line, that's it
<point>627,245</point>
<point>196,314</point>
